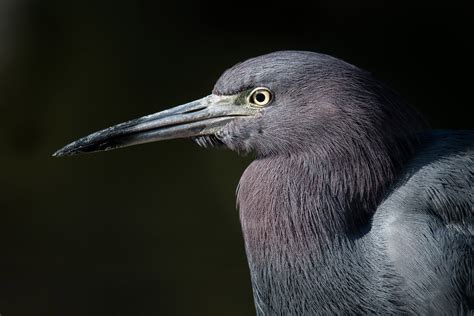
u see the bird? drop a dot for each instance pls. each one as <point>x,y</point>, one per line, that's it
<point>352,203</point>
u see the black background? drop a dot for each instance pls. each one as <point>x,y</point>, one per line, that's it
<point>153,229</point>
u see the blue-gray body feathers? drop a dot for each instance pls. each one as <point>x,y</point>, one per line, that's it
<point>353,205</point>
<point>414,256</point>
<point>425,226</point>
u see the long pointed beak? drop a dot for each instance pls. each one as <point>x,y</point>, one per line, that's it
<point>201,117</point>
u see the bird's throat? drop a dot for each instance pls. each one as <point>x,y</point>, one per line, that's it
<point>299,202</point>
<point>293,211</point>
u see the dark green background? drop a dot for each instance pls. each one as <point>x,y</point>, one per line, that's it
<point>153,229</point>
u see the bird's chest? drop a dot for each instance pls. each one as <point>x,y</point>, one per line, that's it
<point>295,266</point>
<point>281,211</point>
<point>276,232</point>
<point>269,208</point>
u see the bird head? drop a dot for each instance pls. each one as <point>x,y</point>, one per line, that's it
<point>279,103</point>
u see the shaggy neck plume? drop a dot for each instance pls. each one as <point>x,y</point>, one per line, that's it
<point>310,197</point>
<point>301,202</point>
<point>295,208</point>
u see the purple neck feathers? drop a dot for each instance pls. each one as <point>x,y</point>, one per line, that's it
<point>294,209</point>
<point>295,206</point>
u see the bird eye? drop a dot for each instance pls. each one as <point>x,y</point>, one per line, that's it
<point>260,96</point>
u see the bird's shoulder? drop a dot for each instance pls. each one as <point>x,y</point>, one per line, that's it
<point>438,182</point>
<point>426,222</point>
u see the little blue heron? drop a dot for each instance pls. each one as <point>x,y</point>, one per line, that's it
<point>352,204</point>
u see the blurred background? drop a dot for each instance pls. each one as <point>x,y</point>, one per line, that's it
<point>153,230</point>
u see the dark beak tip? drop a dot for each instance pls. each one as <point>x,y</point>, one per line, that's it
<point>81,147</point>
<point>68,150</point>
<point>62,153</point>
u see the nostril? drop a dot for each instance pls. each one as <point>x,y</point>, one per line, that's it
<point>194,110</point>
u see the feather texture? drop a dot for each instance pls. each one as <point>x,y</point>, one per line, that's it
<point>352,206</point>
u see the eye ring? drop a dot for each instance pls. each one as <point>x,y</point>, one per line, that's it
<point>260,96</point>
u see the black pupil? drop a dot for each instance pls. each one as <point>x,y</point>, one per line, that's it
<point>260,97</point>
